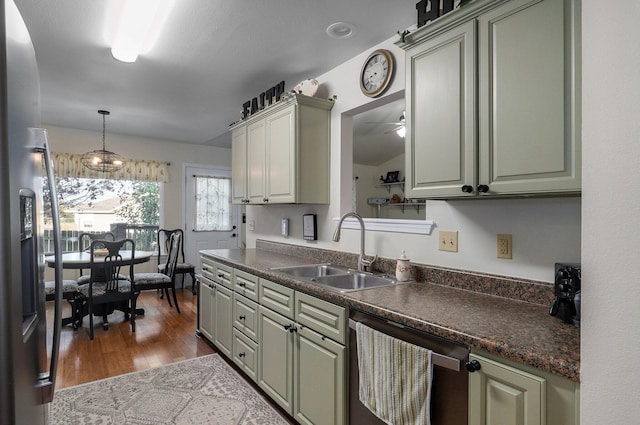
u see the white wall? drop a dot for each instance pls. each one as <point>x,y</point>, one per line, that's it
<point>544,230</point>
<point>611,213</point>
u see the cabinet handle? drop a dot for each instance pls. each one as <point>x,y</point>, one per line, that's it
<point>242,284</point>
<point>467,188</point>
<point>242,317</point>
<point>291,328</point>
<point>220,275</point>
<point>265,199</point>
<point>483,188</point>
<point>473,366</point>
<point>241,354</point>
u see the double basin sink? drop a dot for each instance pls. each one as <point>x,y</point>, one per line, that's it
<point>337,278</point>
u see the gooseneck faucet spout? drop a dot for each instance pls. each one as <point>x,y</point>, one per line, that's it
<point>363,262</point>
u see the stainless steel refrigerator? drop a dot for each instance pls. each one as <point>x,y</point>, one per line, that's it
<point>27,366</point>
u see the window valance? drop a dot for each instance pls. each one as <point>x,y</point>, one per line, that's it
<point>69,165</point>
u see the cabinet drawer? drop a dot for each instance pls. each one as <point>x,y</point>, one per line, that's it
<point>208,268</point>
<point>245,316</point>
<point>245,354</point>
<point>246,284</point>
<point>224,275</point>
<point>277,297</point>
<point>323,317</point>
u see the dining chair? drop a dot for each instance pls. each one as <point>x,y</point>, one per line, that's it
<point>107,289</point>
<point>84,242</point>
<point>69,293</point>
<point>164,280</point>
<point>182,267</point>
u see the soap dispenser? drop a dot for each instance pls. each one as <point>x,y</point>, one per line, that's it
<point>403,272</point>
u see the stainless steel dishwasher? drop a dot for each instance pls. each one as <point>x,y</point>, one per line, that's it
<point>449,386</point>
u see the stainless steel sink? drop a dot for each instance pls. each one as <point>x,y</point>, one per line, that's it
<point>339,278</point>
<point>310,271</point>
<point>354,281</point>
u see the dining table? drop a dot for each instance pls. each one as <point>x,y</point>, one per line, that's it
<point>82,260</point>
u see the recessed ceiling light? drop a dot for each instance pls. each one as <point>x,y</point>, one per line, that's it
<point>341,30</point>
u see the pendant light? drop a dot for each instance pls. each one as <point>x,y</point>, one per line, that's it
<point>102,159</point>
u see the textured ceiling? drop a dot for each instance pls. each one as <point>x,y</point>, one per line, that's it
<point>212,56</point>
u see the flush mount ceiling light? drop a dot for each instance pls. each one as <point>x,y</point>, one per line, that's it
<point>341,30</point>
<point>138,24</point>
<point>102,159</point>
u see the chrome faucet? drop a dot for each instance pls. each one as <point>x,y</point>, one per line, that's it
<point>363,262</point>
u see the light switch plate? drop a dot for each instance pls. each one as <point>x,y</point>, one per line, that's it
<point>448,241</point>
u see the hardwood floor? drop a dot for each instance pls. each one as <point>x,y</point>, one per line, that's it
<point>162,336</point>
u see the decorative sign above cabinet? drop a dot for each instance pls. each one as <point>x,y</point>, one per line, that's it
<point>430,10</point>
<point>266,98</point>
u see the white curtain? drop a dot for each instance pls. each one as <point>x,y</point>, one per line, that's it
<point>69,165</point>
<point>213,203</point>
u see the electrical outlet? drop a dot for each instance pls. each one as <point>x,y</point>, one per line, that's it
<point>505,247</point>
<point>448,241</point>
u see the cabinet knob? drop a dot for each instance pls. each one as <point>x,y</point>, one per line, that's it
<point>483,188</point>
<point>242,317</point>
<point>473,366</point>
<point>242,284</point>
<point>467,188</point>
<point>241,354</point>
<point>265,199</point>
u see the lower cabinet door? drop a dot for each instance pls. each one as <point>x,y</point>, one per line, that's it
<point>320,379</point>
<point>275,357</point>
<point>205,309</point>
<point>245,354</point>
<point>223,323</point>
<point>501,394</point>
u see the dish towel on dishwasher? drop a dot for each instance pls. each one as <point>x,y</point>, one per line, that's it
<point>395,378</point>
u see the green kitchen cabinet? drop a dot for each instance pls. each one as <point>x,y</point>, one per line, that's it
<point>275,357</point>
<point>301,367</point>
<point>282,153</point>
<point>503,392</point>
<point>320,379</point>
<point>245,354</point>
<point>239,165</point>
<point>205,307</point>
<point>223,320</point>
<point>493,101</point>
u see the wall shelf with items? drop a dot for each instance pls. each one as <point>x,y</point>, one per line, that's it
<point>380,202</point>
<point>389,185</point>
<point>408,204</point>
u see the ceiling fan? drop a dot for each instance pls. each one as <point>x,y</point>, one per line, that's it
<point>400,125</point>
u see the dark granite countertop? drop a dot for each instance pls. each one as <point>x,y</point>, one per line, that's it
<point>515,330</point>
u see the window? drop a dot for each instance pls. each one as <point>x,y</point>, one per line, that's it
<point>126,208</point>
<point>212,204</point>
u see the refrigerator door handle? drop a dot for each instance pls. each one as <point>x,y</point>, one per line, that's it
<point>46,381</point>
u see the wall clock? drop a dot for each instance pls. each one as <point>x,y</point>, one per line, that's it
<point>376,73</point>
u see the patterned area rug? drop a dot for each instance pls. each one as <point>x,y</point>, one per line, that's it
<point>204,390</point>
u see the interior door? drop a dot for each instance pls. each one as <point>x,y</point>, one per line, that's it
<point>197,237</point>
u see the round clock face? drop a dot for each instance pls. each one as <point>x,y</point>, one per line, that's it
<point>376,73</point>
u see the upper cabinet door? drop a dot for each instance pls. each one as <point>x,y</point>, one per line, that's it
<point>441,114</point>
<point>239,164</point>
<point>256,166</point>
<point>281,156</point>
<point>528,109</point>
